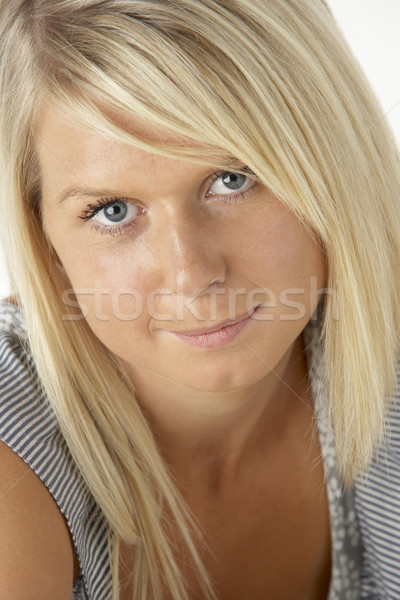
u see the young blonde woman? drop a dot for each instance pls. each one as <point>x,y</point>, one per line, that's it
<point>200,211</point>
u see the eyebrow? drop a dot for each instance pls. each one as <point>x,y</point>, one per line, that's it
<point>85,192</point>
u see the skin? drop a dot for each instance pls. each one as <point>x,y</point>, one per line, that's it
<point>36,553</point>
<point>192,244</point>
<point>221,415</point>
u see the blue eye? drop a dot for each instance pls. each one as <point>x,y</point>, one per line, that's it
<point>112,215</point>
<point>230,183</point>
<point>114,212</point>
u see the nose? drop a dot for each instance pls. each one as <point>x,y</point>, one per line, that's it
<point>190,253</point>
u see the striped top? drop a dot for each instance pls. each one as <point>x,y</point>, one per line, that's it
<point>28,426</point>
<point>377,502</point>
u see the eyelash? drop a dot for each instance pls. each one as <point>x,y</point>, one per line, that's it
<point>92,209</point>
<point>235,197</point>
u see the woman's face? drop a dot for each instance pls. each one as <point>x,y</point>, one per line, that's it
<point>153,246</point>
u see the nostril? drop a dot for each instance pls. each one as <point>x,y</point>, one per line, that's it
<point>218,281</point>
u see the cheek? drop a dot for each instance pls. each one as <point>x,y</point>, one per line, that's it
<point>289,265</point>
<point>105,264</point>
<point>115,281</point>
<point>111,288</point>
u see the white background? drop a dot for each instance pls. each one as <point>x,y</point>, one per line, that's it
<point>372,29</point>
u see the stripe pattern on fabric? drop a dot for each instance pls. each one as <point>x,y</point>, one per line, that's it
<point>29,427</point>
<point>345,535</point>
<point>377,500</point>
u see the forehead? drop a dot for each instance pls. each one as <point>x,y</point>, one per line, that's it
<point>72,154</point>
<point>51,114</point>
<point>57,130</point>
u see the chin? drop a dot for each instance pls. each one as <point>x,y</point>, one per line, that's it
<point>221,379</point>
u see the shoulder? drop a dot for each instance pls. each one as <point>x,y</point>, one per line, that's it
<point>377,501</point>
<point>33,447</point>
<point>12,339</point>
<point>36,558</point>
<point>22,401</point>
<point>15,361</point>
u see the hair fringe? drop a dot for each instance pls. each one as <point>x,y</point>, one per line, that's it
<point>275,71</point>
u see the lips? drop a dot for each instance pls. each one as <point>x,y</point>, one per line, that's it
<point>222,334</point>
<point>218,327</point>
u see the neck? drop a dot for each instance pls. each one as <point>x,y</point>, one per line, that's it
<point>203,435</point>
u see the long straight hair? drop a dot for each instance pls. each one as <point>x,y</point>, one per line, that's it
<point>271,83</point>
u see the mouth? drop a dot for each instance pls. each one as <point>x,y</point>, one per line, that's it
<point>219,335</point>
<point>222,325</point>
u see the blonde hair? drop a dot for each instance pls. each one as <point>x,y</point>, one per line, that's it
<point>271,83</point>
